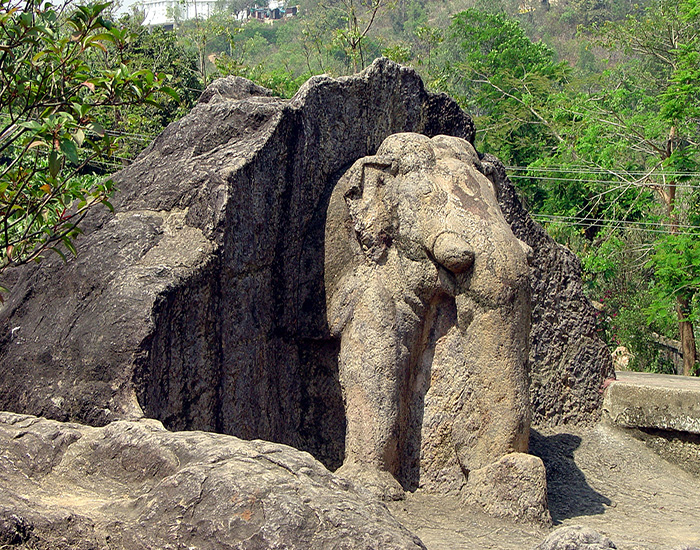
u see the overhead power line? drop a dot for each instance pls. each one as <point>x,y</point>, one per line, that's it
<point>586,170</point>
<point>616,182</point>
<point>651,227</point>
<point>603,220</point>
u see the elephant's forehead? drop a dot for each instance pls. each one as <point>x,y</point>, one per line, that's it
<point>464,193</point>
<point>454,183</point>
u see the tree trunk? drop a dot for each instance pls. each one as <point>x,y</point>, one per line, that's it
<point>687,337</point>
<point>685,327</point>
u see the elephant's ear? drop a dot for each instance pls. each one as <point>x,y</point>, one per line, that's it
<point>371,216</point>
<point>355,184</point>
<point>346,221</point>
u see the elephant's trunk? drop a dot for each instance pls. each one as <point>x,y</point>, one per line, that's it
<point>453,252</point>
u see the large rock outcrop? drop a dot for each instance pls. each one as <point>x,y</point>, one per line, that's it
<point>201,302</point>
<point>135,485</point>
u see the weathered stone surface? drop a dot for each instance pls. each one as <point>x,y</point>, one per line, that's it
<point>202,302</point>
<point>134,485</point>
<point>575,537</point>
<point>680,448</point>
<point>428,292</point>
<point>569,362</point>
<point>646,400</point>
<point>514,487</point>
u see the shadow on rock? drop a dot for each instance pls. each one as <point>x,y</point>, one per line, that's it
<point>568,491</point>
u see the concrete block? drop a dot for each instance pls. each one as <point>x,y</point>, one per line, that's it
<point>659,401</point>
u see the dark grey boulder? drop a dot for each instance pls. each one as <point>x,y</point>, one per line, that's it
<point>201,301</point>
<point>133,485</point>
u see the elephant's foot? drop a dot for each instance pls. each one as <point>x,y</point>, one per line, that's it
<point>513,487</point>
<point>371,482</point>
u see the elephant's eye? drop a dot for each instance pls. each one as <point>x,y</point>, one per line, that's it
<point>425,188</point>
<point>353,193</point>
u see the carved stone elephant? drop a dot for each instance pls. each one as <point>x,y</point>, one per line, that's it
<point>419,258</point>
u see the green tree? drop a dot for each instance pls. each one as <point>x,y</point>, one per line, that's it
<point>646,125</point>
<point>159,51</point>
<point>628,161</point>
<point>506,81</point>
<point>359,17</point>
<point>429,39</point>
<point>198,33</point>
<point>50,99</point>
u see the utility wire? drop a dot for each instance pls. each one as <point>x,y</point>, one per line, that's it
<point>589,180</point>
<point>630,225</point>
<point>585,170</point>
<point>602,220</point>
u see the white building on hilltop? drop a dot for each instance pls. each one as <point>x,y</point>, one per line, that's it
<point>167,12</point>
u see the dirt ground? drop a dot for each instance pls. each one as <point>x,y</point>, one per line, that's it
<point>598,477</point>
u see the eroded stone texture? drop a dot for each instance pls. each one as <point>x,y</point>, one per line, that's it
<point>428,292</point>
<point>202,301</point>
<point>133,485</point>
<point>576,537</point>
<point>568,360</point>
<point>514,487</point>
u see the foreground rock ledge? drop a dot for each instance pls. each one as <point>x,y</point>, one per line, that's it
<point>658,401</point>
<point>135,485</point>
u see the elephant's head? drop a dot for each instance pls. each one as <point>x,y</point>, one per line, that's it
<point>425,199</point>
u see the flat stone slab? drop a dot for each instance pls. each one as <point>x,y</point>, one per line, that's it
<point>660,401</point>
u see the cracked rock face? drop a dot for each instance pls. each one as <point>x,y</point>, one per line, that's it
<point>202,301</point>
<point>135,485</point>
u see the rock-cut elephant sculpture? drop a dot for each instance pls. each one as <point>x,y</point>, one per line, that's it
<point>421,265</point>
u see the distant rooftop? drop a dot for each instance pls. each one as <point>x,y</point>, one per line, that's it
<point>169,12</point>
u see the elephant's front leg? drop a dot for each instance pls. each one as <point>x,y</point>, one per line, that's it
<point>497,420</point>
<point>374,368</point>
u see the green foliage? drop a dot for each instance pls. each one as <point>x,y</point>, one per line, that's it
<point>158,51</point>
<point>676,266</point>
<point>493,68</point>
<point>400,53</point>
<point>429,39</point>
<point>281,82</point>
<point>359,16</point>
<point>50,99</point>
<point>201,34</point>
<point>619,281</point>
<point>636,131</point>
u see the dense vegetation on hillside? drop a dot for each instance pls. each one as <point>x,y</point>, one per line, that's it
<point>594,105</point>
